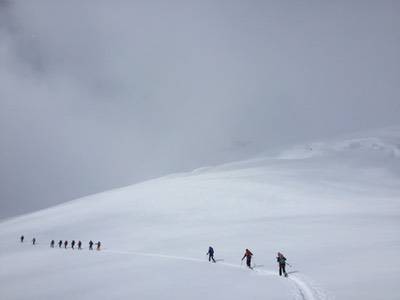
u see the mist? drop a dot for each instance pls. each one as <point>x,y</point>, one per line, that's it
<point>100,94</point>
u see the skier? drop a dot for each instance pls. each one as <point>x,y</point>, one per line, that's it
<point>210,254</point>
<point>22,238</point>
<point>52,244</point>
<point>248,255</point>
<point>79,245</point>
<point>282,264</point>
<point>59,243</point>
<point>65,244</point>
<point>98,245</point>
<point>91,245</point>
<point>73,244</point>
<point>33,241</point>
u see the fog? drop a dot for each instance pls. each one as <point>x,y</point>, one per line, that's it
<point>101,94</point>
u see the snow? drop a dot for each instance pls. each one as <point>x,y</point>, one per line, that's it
<point>332,207</point>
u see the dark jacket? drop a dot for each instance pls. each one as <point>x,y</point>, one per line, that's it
<point>281,260</point>
<point>247,254</point>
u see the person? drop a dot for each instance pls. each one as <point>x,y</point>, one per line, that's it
<point>248,255</point>
<point>22,238</point>
<point>98,245</point>
<point>91,245</point>
<point>33,241</point>
<point>282,264</point>
<point>65,244</point>
<point>59,243</point>
<point>79,245</point>
<point>52,244</point>
<point>210,254</point>
<point>73,244</point>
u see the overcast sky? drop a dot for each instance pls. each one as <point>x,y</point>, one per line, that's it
<point>102,94</point>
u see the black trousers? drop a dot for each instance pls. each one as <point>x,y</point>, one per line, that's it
<point>248,261</point>
<point>211,257</point>
<point>282,269</point>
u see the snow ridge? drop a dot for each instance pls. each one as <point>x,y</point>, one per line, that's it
<point>385,141</point>
<point>331,212</point>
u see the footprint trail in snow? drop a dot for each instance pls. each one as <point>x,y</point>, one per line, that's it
<point>303,290</point>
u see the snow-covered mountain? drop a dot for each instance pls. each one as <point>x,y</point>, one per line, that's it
<point>332,207</point>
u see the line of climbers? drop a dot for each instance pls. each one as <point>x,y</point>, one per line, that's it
<point>65,243</point>
<point>248,255</point>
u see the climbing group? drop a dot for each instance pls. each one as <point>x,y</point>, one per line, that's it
<point>248,256</point>
<point>65,244</point>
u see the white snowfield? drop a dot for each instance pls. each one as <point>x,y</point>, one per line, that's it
<point>332,208</point>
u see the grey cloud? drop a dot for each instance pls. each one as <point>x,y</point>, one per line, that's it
<point>99,94</point>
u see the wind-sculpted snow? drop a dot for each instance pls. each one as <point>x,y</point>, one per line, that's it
<point>384,142</point>
<point>335,216</point>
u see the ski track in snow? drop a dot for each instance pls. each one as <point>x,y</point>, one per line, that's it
<point>304,290</point>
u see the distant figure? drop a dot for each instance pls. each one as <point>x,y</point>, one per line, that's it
<point>22,238</point>
<point>282,264</point>
<point>65,244</point>
<point>248,255</point>
<point>79,245</point>
<point>52,244</point>
<point>91,245</point>
<point>33,241</point>
<point>210,254</point>
<point>98,245</point>
<point>59,243</point>
<point>73,244</point>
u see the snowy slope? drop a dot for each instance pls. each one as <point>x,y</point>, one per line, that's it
<point>331,207</point>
